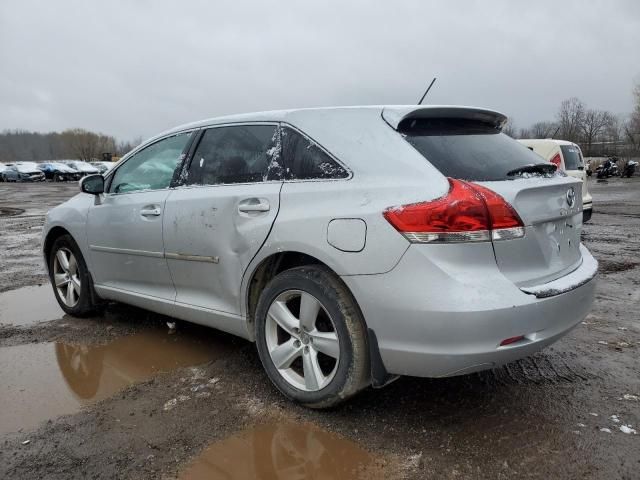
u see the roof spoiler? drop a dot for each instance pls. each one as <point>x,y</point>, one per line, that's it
<point>396,114</point>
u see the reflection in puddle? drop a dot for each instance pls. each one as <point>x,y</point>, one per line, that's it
<point>284,451</point>
<point>42,381</point>
<point>29,305</point>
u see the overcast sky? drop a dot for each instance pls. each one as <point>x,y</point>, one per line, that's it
<point>134,68</point>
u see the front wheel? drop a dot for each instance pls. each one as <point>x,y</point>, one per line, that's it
<point>311,337</point>
<point>70,277</point>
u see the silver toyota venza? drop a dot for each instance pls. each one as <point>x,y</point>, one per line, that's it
<point>353,245</point>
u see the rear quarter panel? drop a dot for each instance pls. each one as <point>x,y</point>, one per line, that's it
<point>386,172</point>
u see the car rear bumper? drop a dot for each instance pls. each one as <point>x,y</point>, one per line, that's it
<point>442,313</point>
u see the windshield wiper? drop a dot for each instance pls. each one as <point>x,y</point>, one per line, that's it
<point>544,168</point>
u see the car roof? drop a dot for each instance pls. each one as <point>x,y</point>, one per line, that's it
<point>392,114</point>
<point>364,137</point>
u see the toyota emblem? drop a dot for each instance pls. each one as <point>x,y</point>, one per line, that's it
<point>571,197</point>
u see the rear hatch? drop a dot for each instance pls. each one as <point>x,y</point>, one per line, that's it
<point>473,149</point>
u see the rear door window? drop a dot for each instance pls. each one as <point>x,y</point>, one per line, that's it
<point>572,157</point>
<point>466,149</point>
<point>235,154</point>
<point>305,160</point>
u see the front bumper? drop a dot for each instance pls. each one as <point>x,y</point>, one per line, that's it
<point>444,311</point>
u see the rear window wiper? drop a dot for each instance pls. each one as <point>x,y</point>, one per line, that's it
<point>542,168</point>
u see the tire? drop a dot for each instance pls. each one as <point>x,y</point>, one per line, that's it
<point>332,345</point>
<point>78,305</point>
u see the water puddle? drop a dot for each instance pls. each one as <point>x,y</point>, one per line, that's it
<point>283,451</point>
<point>29,305</point>
<point>45,380</point>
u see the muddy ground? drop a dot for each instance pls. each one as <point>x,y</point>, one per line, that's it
<point>123,396</point>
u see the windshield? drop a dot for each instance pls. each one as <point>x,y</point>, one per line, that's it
<point>572,157</point>
<point>467,149</point>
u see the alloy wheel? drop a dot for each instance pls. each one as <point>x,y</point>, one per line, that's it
<point>302,340</point>
<point>66,277</point>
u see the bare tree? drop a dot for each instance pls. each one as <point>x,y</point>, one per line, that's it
<point>85,145</point>
<point>570,119</point>
<point>126,146</point>
<point>524,133</point>
<point>510,129</point>
<point>593,124</point>
<point>632,125</point>
<point>543,130</point>
<point>21,145</point>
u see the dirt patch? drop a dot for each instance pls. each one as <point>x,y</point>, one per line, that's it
<point>610,266</point>
<point>20,233</point>
<point>10,212</point>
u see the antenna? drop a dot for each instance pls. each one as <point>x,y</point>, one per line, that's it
<point>425,93</point>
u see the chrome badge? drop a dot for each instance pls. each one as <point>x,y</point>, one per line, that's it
<point>571,197</point>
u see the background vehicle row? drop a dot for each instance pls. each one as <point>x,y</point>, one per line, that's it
<point>57,171</point>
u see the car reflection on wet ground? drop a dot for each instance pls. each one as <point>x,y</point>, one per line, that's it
<point>44,380</point>
<point>284,451</point>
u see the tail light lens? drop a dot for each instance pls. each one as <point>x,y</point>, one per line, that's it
<point>511,340</point>
<point>467,213</point>
<point>556,160</point>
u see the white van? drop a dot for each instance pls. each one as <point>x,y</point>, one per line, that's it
<point>566,156</point>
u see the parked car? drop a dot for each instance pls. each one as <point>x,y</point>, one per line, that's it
<point>103,167</point>
<point>22,172</point>
<point>58,172</point>
<point>567,156</point>
<point>3,167</point>
<point>352,245</point>
<point>84,168</point>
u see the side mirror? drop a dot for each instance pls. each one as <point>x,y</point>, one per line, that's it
<point>93,184</point>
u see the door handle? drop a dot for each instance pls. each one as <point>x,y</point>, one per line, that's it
<point>151,212</point>
<point>254,205</point>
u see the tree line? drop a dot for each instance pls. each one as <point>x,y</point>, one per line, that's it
<point>598,132</point>
<point>76,144</point>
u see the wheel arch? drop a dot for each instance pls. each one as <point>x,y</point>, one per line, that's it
<point>267,269</point>
<point>52,235</point>
<point>278,262</point>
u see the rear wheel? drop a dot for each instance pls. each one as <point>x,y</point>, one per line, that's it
<point>70,278</point>
<point>311,337</point>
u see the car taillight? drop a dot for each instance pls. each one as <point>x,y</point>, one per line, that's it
<point>467,213</point>
<point>556,160</point>
<point>511,340</point>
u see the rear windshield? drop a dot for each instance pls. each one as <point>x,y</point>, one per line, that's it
<point>572,157</point>
<point>467,149</point>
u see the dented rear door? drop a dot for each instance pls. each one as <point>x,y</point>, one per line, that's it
<point>217,221</point>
